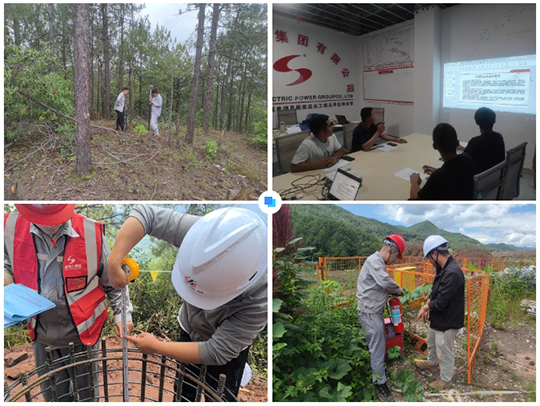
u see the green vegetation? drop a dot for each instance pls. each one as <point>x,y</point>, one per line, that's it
<point>334,231</point>
<point>507,290</point>
<point>140,129</point>
<point>261,137</point>
<point>210,149</point>
<point>320,352</point>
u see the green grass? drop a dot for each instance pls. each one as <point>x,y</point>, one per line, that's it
<point>504,304</point>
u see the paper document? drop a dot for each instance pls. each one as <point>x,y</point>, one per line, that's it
<point>21,302</point>
<point>406,174</point>
<point>384,147</point>
<point>339,164</point>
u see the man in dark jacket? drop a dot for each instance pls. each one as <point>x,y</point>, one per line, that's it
<point>445,309</point>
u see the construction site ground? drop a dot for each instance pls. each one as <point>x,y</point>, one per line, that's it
<point>506,362</point>
<point>255,391</point>
<point>127,166</point>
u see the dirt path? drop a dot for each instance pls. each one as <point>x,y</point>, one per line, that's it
<point>255,391</point>
<point>506,362</point>
<point>151,169</point>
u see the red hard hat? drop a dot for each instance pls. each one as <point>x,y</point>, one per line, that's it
<point>400,242</point>
<point>46,214</point>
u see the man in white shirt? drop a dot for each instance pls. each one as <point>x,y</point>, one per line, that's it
<point>320,150</point>
<point>120,108</point>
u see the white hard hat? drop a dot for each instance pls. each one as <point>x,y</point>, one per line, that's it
<point>432,242</point>
<point>222,255</point>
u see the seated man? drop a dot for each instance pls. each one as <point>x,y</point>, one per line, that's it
<point>487,149</point>
<point>365,135</point>
<point>452,181</point>
<point>319,150</point>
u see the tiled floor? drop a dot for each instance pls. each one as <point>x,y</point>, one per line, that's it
<point>526,187</point>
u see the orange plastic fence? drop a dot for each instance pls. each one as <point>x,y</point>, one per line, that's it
<point>477,296</point>
<point>412,272</point>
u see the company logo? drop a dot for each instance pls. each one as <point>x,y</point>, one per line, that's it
<point>71,265</point>
<point>281,65</point>
<point>191,282</point>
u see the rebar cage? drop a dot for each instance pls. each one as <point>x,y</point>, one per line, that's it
<point>159,379</point>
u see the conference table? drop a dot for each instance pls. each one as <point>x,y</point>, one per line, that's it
<point>376,167</point>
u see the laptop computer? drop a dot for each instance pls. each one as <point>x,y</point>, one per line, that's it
<point>345,185</point>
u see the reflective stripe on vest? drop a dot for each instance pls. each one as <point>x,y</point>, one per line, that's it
<point>84,293</point>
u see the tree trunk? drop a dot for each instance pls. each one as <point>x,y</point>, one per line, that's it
<point>64,40</point>
<point>121,57</point>
<point>92,72</point>
<point>131,62</point>
<point>106,61</point>
<point>196,73</point>
<point>140,92</point>
<point>16,27</point>
<point>172,100</point>
<point>224,93</point>
<point>246,123</point>
<point>98,90</point>
<point>51,34</point>
<point>211,61</point>
<point>82,88</point>
<point>242,93</point>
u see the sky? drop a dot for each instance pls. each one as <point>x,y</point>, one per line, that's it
<point>488,223</point>
<point>181,27</point>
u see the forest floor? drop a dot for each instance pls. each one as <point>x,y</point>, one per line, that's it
<point>506,361</point>
<point>255,391</point>
<point>127,166</point>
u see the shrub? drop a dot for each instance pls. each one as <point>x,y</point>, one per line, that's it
<point>210,149</point>
<point>261,137</point>
<point>141,130</point>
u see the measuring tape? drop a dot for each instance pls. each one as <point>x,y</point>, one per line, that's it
<point>130,267</point>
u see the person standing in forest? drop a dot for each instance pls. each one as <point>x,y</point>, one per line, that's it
<point>156,101</point>
<point>120,108</point>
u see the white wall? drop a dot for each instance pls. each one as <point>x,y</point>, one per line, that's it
<point>427,68</point>
<point>399,118</point>
<point>327,78</point>
<point>482,31</point>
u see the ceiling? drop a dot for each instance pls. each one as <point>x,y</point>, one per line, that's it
<point>353,19</point>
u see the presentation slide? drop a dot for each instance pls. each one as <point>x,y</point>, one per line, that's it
<point>502,84</point>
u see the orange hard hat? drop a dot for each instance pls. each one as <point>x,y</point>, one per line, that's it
<point>46,214</point>
<point>399,241</point>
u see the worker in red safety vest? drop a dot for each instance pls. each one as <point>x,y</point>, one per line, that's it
<point>63,256</point>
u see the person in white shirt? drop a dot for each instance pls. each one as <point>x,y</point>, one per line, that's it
<point>319,150</point>
<point>120,108</point>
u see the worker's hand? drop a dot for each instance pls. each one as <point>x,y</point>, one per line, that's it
<point>429,171</point>
<point>401,141</point>
<point>117,276</point>
<point>380,129</point>
<point>460,147</point>
<point>423,313</point>
<point>118,328</point>
<point>145,342</point>
<point>401,293</point>
<point>331,161</point>
<point>415,178</point>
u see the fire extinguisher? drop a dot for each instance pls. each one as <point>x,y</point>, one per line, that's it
<point>395,315</point>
